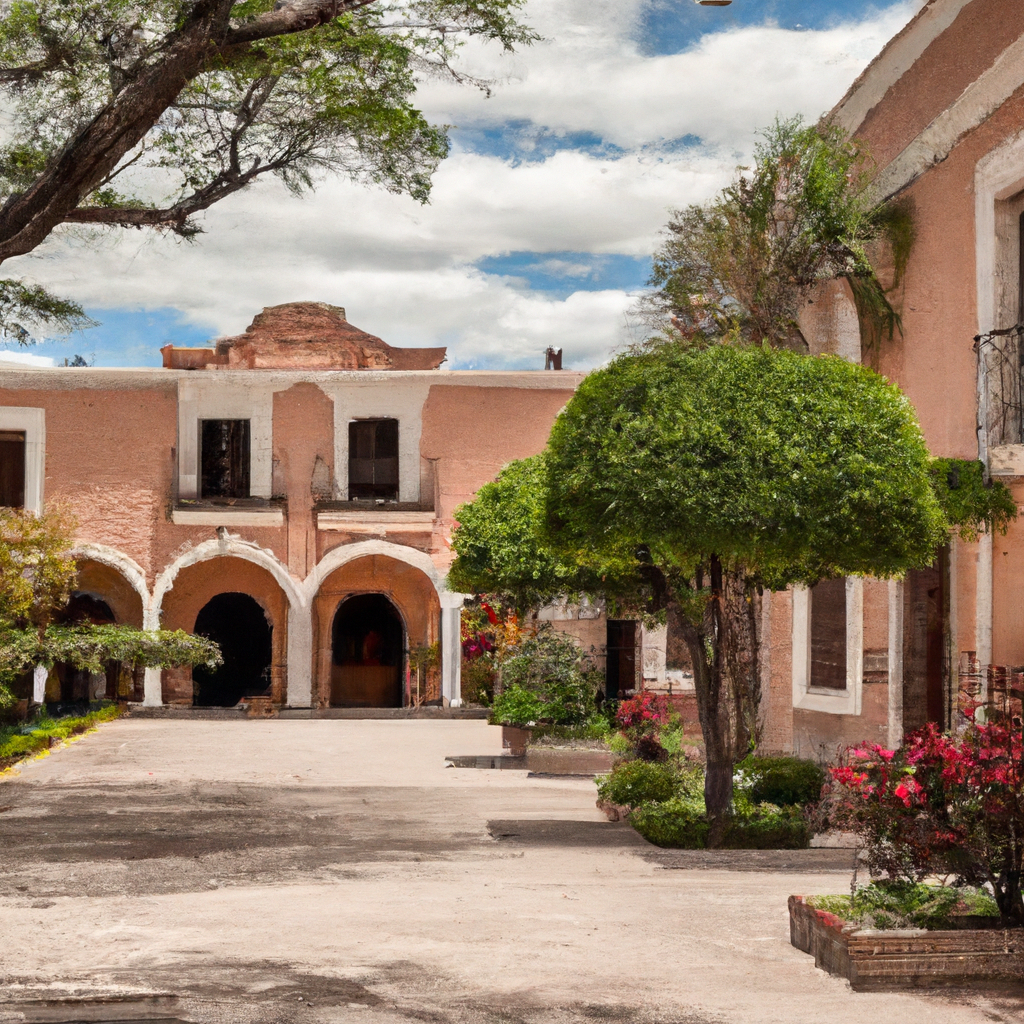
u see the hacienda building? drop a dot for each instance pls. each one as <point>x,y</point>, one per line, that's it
<point>288,492</point>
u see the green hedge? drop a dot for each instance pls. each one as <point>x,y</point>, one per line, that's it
<point>16,744</point>
<point>683,824</point>
<point>784,781</point>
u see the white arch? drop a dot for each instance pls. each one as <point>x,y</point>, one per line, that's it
<point>345,553</point>
<point>127,567</point>
<point>300,633</point>
<point>451,603</point>
<point>229,547</point>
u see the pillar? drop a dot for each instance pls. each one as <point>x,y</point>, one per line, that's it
<point>451,649</point>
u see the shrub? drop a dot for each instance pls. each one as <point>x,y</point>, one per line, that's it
<point>516,706</point>
<point>783,781</point>
<point>908,905</point>
<point>941,804</point>
<point>633,783</point>
<point>682,823</point>
<point>18,743</point>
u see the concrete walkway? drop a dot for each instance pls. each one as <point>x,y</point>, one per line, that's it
<point>335,870</point>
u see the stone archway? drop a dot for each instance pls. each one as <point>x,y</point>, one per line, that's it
<point>194,586</point>
<point>382,581</point>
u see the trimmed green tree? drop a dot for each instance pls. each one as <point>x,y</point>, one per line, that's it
<point>735,470</point>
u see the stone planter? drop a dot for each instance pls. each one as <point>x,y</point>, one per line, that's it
<point>912,958</point>
<point>515,739</point>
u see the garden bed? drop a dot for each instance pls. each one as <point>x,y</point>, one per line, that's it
<point>979,953</point>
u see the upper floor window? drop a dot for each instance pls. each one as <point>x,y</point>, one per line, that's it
<point>373,459</point>
<point>828,634</point>
<point>224,458</point>
<point>12,468</point>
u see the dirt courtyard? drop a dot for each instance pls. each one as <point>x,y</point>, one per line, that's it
<point>323,871</point>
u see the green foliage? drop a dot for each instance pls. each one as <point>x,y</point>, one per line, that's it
<point>551,664</point>
<point>784,781</point>
<point>737,268</point>
<point>516,706</point>
<point>89,648</point>
<point>18,743</point>
<point>36,567</point>
<point>478,681</point>
<point>972,504</point>
<point>633,783</point>
<point>888,905</point>
<point>794,467</point>
<point>218,100</point>
<point>680,824</point>
<point>683,823</point>
<point>25,309</point>
<point>501,546</point>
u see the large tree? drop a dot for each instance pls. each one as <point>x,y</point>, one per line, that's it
<point>142,114</point>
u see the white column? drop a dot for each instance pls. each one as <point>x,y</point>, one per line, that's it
<point>451,649</point>
<point>299,693</point>
<point>39,676</point>
<point>983,610</point>
<point>153,688</point>
<point>895,736</point>
<point>153,678</point>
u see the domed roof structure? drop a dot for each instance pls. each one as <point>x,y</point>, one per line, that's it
<point>303,336</point>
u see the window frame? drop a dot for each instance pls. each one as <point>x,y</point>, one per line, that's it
<point>816,698</point>
<point>32,423</point>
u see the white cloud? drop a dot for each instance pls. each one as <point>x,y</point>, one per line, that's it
<point>404,271</point>
<point>24,358</point>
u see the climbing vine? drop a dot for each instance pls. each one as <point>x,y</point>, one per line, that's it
<point>972,504</point>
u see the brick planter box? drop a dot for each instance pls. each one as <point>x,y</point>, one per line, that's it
<point>906,959</point>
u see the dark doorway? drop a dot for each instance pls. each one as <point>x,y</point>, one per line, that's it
<point>77,687</point>
<point>239,625</point>
<point>620,663</point>
<point>224,458</point>
<point>368,653</point>
<point>12,468</point>
<point>925,606</point>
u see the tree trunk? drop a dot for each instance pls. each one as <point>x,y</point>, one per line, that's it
<point>724,647</point>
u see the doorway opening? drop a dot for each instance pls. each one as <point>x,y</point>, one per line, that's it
<point>620,660</point>
<point>239,626</point>
<point>368,647</point>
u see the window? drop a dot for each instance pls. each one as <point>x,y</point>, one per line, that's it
<point>12,468</point>
<point>224,458</point>
<point>828,634</point>
<point>373,459</point>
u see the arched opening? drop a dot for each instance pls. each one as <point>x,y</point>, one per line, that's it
<point>367,645</point>
<point>239,625</point>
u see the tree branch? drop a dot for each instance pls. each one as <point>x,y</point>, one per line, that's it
<point>290,17</point>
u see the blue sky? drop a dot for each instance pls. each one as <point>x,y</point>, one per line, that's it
<point>542,221</point>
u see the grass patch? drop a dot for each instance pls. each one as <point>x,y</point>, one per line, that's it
<point>19,742</point>
<point>908,905</point>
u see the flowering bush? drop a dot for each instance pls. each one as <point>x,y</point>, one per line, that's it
<point>641,718</point>
<point>941,804</point>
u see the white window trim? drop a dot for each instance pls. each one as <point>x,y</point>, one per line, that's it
<point>350,406</point>
<point>213,402</point>
<point>811,698</point>
<point>33,423</point>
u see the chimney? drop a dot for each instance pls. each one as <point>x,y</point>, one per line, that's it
<point>553,359</point>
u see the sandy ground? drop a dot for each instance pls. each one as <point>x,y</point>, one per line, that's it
<point>333,870</point>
